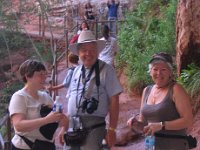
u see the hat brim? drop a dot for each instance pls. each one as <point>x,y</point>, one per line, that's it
<point>100,46</point>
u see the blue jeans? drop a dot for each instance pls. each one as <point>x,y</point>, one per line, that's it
<point>113,26</point>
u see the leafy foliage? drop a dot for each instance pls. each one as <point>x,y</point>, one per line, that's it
<point>6,94</point>
<point>190,79</point>
<point>3,130</point>
<point>7,17</point>
<point>15,40</point>
<point>9,90</point>
<point>44,52</point>
<point>149,29</point>
<point>12,41</point>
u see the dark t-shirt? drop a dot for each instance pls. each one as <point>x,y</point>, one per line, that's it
<point>89,13</point>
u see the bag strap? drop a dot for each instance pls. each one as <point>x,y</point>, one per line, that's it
<point>92,82</point>
<point>27,141</point>
<point>91,85</point>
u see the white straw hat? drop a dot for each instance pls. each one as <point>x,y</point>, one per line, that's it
<point>86,36</point>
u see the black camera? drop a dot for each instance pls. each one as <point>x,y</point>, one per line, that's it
<point>90,105</point>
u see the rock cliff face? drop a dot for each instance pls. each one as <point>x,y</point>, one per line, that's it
<point>187,33</point>
<point>188,45</point>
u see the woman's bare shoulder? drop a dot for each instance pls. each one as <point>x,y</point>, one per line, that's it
<point>178,87</point>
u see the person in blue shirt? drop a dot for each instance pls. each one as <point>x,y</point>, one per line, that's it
<point>112,15</point>
<point>73,59</point>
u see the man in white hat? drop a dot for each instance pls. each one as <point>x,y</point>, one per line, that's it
<point>93,93</point>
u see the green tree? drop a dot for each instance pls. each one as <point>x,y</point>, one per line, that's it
<point>149,29</point>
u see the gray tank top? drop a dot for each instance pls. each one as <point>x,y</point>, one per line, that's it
<point>163,111</point>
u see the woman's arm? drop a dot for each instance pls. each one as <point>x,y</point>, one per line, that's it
<point>64,124</point>
<point>183,106</point>
<point>141,118</point>
<point>23,125</point>
<point>56,87</point>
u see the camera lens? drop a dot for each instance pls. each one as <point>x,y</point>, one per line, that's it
<point>92,106</point>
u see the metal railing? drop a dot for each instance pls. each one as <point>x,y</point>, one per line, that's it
<point>5,141</point>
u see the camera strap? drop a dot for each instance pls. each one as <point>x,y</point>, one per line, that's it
<point>84,81</point>
<point>97,79</point>
<point>91,85</point>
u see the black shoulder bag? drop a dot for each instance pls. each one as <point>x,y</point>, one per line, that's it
<point>49,129</point>
<point>192,141</point>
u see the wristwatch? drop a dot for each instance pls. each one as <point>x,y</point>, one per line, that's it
<point>163,125</point>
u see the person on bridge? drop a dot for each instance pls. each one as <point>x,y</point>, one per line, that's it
<point>89,14</point>
<point>109,52</point>
<point>112,15</point>
<point>165,106</point>
<point>25,110</point>
<point>84,26</point>
<point>93,93</point>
